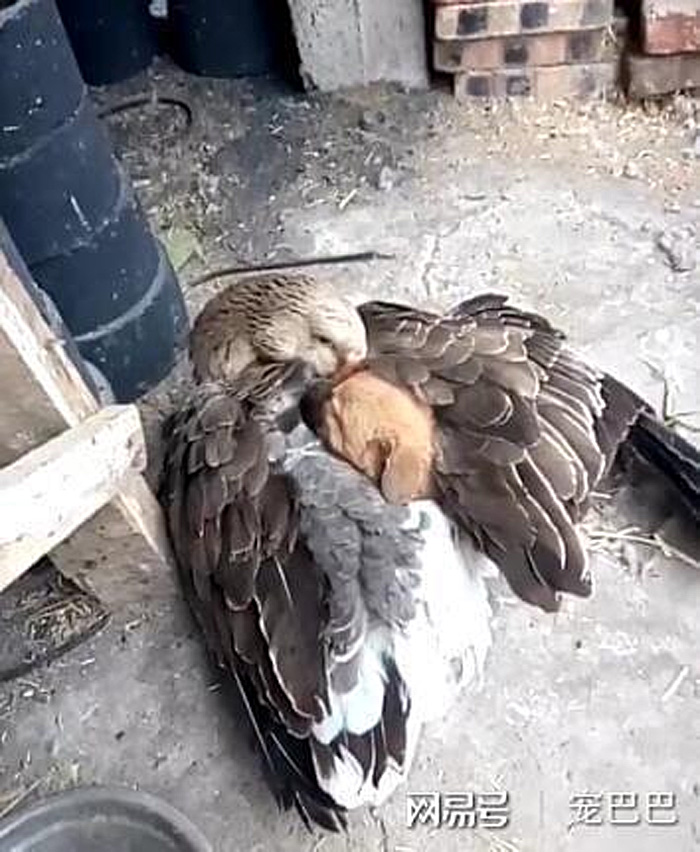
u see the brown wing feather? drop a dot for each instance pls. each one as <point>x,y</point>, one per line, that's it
<point>234,529</point>
<point>253,588</point>
<point>519,420</point>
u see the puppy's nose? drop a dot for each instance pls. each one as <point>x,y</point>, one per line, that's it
<point>348,368</point>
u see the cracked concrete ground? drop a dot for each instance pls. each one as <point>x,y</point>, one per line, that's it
<point>544,206</point>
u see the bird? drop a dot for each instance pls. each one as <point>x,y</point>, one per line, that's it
<point>338,488</point>
<point>338,616</point>
<point>512,433</point>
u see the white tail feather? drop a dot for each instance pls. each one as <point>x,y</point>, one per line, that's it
<point>440,652</point>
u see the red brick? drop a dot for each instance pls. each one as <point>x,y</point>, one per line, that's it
<point>546,84</point>
<point>515,51</point>
<point>671,26</point>
<point>648,76</point>
<point>490,18</point>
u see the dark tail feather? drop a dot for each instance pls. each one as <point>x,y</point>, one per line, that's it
<point>671,455</point>
<point>622,409</point>
<point>628,421</point>
<point>288,766</point>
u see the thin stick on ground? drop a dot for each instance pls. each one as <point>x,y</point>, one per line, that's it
<point>288,266</point>
<point>633,535</point>
<point>672,419</point>
<point>20,796</point>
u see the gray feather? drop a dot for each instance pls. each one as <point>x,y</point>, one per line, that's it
<point>359,541</point>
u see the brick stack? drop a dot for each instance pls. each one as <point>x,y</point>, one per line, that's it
<point>670,42</point>
<point>548,49</point>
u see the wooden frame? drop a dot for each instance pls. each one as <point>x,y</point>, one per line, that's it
<point>51,491</point>
<point>81,495</point>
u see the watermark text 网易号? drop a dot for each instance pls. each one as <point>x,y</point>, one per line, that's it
<point>490,811</point>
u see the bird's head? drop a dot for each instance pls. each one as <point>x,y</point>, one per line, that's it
<point>277,319</point>
<point>317,327</point>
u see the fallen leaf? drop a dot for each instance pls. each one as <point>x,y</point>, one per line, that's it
<point>181,245</point>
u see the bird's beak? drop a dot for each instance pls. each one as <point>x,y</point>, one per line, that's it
<point>349,367</point>
<point>356,356</point>
<point>353,361</point>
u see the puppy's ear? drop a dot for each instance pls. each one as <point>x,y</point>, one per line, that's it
<point>406,475</point>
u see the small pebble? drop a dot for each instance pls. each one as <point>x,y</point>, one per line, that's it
<point>632,170</point>
<point>386,179</point>
<point>370,119</point>
<point>679,247</point>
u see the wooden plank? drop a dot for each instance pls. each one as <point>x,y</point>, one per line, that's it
<point>42,388</point>
<point>49,492</point>
<point>651,76</point>
<point>543,83</point>
<point>490,18</point>
<point>43,393</point>
<point>514,51</point>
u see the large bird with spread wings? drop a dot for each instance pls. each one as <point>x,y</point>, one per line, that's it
<point>337,487</point>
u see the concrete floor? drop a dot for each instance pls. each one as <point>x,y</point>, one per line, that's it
<point>560,208</point>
